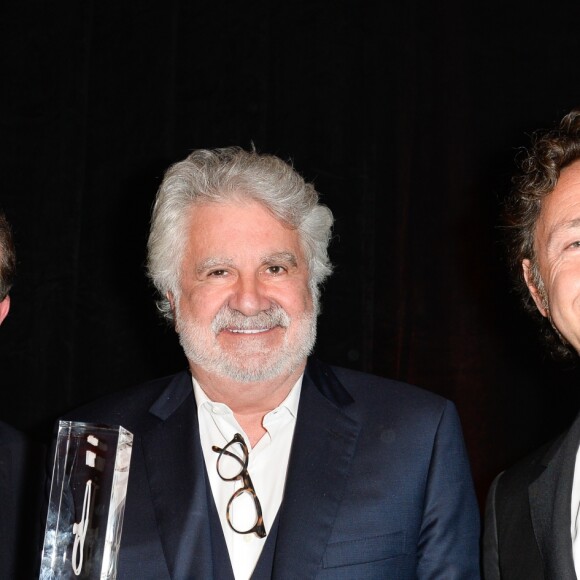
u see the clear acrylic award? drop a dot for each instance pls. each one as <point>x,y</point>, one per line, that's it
<point>87,502</point>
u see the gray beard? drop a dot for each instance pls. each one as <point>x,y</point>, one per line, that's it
<point>201,347</point>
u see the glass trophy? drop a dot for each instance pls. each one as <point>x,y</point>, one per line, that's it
<point>87,502</point>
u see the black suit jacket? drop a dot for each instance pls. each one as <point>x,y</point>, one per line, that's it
<point>528,515</point>
<point>21,468</point>
<point>378,485</point>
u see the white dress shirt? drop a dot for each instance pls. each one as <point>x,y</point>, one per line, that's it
<point>267,467</point>
<point>575,526</point>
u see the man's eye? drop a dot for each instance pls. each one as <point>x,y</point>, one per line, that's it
<point>218,273</point>
<point>276,270</point>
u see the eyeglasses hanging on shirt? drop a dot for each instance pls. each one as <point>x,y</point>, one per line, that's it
<point>232,465</point>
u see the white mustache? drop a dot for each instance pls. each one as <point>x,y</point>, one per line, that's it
<point>229,318</point>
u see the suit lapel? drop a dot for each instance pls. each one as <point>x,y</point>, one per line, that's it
<point>550,505</point>
<point>176,474</point>
<point>323,448</point>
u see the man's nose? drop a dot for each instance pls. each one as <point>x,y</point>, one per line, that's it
<point>249,296</point>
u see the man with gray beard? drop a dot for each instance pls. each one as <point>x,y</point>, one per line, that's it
<point>258,461</point>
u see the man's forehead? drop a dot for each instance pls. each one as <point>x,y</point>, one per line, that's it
<point>211,217</point>
<point>560,209</point>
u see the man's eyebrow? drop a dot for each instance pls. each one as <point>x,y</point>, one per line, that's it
<point>287,257</point>
<point>209,263</point>
<point>563,226</point>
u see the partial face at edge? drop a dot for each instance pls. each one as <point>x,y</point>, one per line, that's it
<point>5,303</point>
<point>557,246</point>
<point>4,308</point>
<point>245,309</point>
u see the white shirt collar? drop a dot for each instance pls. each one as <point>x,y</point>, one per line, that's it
<point>291,402</point>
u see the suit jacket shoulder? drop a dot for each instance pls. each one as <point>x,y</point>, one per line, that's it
<point>372,388</point>
<point>408,478</point>
<point>527,517</point>
<point>166,525</point>
<point>378,400</point>
<point>515,481</point>
<point>130,407</point>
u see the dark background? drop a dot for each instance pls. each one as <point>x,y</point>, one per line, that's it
<point>407,117</point>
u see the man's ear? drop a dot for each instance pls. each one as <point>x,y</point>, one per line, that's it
<point>534,291</point>
<point>4,308</point>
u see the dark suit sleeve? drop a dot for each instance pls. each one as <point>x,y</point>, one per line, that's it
<point>21,463</point>
<point>449,539</point>
<point>490,542</point>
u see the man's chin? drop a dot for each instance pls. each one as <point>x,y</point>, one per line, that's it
<point>255,369</point>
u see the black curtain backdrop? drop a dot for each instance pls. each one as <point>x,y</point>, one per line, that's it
<point>407,117</point>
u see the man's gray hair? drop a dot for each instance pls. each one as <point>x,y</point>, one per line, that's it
<point>7,257</point>
<point>229,175</point>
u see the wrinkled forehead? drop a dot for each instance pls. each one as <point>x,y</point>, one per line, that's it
<point>244,226</point>
<point>232,205</point>
<point>560,209</point>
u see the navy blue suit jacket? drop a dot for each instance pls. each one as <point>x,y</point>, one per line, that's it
<point>378,484</point>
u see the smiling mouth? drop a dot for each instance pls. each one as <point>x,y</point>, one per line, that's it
<point>234,322</point>
<point>248,330</point>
